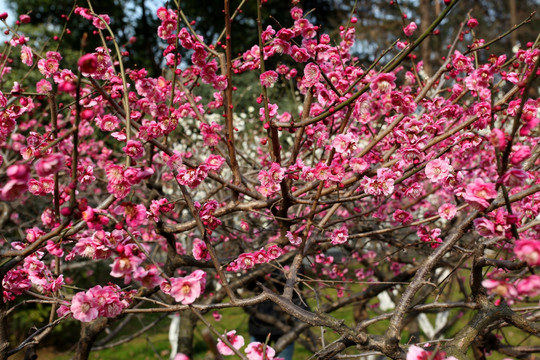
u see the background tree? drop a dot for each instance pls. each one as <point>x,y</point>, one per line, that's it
<point>132,22</point>
<point>378,22</point>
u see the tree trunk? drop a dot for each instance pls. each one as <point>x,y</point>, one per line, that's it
<point>187,327</point>
<point>89,333</point>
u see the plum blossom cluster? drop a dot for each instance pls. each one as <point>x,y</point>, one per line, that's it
<point>382,185</point>
<point>246,261</point>
<point>98,301</point>
<point>512,290</point>
<point>496,224</point>
<point>33,274</point>
<point>270,179</point>
<point>379,168</point>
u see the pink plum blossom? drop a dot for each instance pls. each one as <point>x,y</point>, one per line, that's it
<point>48,66</point>
<point>43,86</point>
<point>149,277</point>
<point>50,164</point>
<point>484,227</point>
<point>358,165</point>
<point>214,162</point>
<point>528,250</point>
<point>246,261</point>
<point>293,238</point>
<point>187,289</point>
<point>88,63</point>
<point>210,133</point>
<point>268,78</point>
<point>410,29</point>
<point>382,185</point>
<point>383,83</point>
<point>129,160</point>
<point>273,252</point>
<point>462,62</point>
<point>217,316</point>
<point>311,75</point>
<point>479,192</point>
<point>437,170</point>
<point>18,177</point>
<point>472,23</point>
<point>130,257</point>
<point>447,211</point>
<point>497,137</point>
<point>101,21</point>
<point>192,177</point>
<point>26,55</point>
<point>529,286</point>
<point>107,299</point>
<point>200,252</point>
<point>402,216</point>
<point>107,122</point>
<point>236,340</point>
<point>84,307</point>
<point>417,353</point>
<point>259,351</point>
<point>339,236</point>
<point>514,177</point>
<point>134,149</point>
<point>520,153</point>
<point>344,144</point>
<point>45,185</point>
<point>500,286</point>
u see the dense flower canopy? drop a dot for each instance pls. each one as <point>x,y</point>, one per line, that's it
<point>380,179</point>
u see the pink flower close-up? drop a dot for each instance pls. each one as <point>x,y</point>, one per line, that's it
<point>200,252</point>
<point>50,164</point>
<point>528,250</point>
<point>339,236</point>
<point>311,75</point>
<point>84,307</point>
<point>268,78</point>
<point>417,353</point>
<point>236,340</point>
<point>479,192</point>
<point>259,351</point>
<point>502,288</point>
<point>26,55</point>
<point>383,83</point>
<point>437,170</point>
<point>134,149</point>
<point>410,29</point>
<point>187,289</point>
<point>447,211</point>
<point>529,286</point>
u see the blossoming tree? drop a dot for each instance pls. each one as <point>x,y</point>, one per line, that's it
<point>381,182</point>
